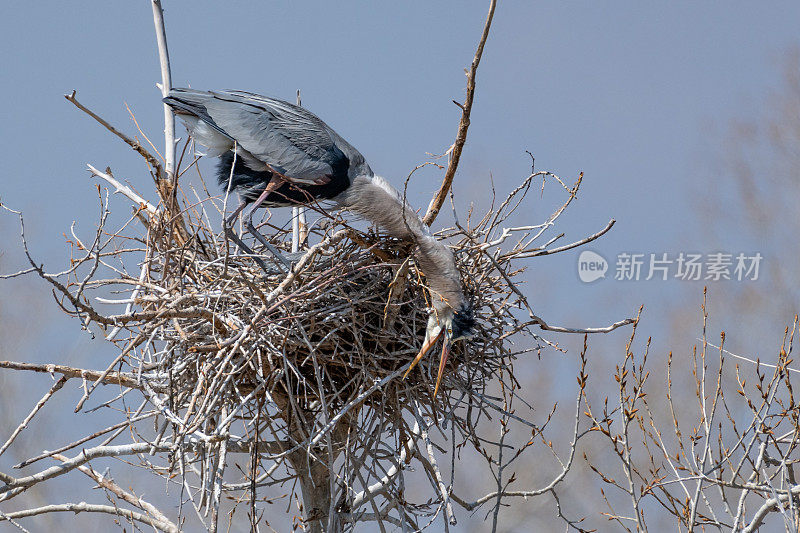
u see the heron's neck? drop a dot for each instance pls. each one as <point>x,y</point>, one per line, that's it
<point>376,200</point>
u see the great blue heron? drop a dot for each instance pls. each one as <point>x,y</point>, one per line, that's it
<point>275,153</point>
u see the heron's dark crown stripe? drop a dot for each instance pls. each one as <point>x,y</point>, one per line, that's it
<point>463,321</point>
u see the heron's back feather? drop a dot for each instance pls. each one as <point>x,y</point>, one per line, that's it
<point>284,137</point>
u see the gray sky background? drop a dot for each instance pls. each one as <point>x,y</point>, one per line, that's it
<point>634,94</point>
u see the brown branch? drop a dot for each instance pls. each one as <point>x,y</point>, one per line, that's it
<point>164,186</point>
<point>133,143</point>
<point>463,125</point>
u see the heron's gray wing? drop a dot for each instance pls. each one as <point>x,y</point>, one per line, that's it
<point>357,160</point>
<point>288,138</point>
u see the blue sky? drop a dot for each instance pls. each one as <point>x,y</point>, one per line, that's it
<point>634,94</point>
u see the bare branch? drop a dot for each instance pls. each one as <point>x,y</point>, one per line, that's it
<point>55,388</point>
<point>84,507</point>
<point>112,378</point>
<point>165,86</point>
<point>463,125</point>
<point>133,143</point>
<point>123,189</point>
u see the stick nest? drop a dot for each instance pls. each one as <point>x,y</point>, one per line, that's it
<point>350,315</point>
<point>302,369</point>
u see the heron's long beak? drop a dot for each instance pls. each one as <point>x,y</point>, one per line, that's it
<point>442,362</point>
<point>425,349</point>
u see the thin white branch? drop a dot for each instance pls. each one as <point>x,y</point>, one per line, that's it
<point>165,86</point>
<point>70,464</point>
<point>295,230</point>
<point>590,238</point>
<point>443,490</point>
<point>565,468</point>
<point>381,485</point>
<point>769,506</point>
<point>111,486</point>
<point>743,358</point>
<point>123,189</point>
<point>55,388</point>
<point>129,307</point>
<point>84,507</point>
<point>561,329</point>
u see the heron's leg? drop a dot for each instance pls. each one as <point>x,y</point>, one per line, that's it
<point>248,222</point>
<point>228,222</point>
<point>227,226</point>
<point>274,183</point>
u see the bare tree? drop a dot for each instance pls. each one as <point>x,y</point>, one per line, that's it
<point>725,460</point>
<point>238,390</point>
<point>298,373</point>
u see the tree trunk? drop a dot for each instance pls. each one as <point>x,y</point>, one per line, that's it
<point>314,478</point>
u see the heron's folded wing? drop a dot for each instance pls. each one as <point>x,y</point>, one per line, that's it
<point>307,130</point>
<point>288,138</point>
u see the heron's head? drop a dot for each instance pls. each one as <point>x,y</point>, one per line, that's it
<point>450,326</point>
